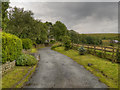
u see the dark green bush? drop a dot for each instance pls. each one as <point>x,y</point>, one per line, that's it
<point>52,41</point>
<point>67,42</point>
<point>27,43</point>
<point>82,50</point>
<point>35,44</point>
<point>11,47</point>
<point>26,60</point>
<point>99,54</point>
<point>75,47</point>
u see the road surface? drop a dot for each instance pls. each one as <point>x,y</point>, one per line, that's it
<point>56,70</point>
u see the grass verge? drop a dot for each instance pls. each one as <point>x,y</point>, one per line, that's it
<point>10,79</point>
<point>106,71</point>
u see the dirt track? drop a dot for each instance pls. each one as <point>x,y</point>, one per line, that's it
<point>59,71</point>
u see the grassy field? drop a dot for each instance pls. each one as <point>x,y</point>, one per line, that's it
<point>105,35</point>
<point>106,71</point>
<point>11,78</point>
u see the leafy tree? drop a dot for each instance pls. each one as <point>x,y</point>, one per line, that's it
<point>0,14</point>
<point>59,30</point>
<point>5,6</point>
<point>27,43</point>
<point>43,30</point>
<point>23,25</point>
<point>74,36</point>
<point>67,42</point>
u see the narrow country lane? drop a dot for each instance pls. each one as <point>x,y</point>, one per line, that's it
<point>56,70</point>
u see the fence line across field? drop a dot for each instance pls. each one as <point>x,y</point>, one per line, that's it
<point>103,49</point>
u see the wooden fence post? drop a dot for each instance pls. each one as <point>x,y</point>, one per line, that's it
<point>94,50</point>
<point>113,54</point>
<point>88,49</point>
<point>104,52</point>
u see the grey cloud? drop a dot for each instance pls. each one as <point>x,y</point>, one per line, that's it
<point>75,14</point>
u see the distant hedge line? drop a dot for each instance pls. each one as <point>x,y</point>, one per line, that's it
<point>11,47</point>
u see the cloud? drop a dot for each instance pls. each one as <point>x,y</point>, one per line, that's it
<point>83,17</point>
<point>64,0</point>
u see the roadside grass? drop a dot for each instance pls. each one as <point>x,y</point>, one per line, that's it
<point>14,76</point>
<point>27,78</point>
<point>106,71</point>
<point>33,50</point>
<point>40,46</point>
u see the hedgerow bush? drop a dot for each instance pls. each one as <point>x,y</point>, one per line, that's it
<point>11,47</point>
<point>67,42</point>
<point>26,60</point>
<point>75,47</point>
<point>99,53</point>
<point>82,50</point>
<point>27,43</point>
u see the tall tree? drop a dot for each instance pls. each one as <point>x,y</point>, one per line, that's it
<point>43,30</point>
<point>59,30</point>
<point>5,6</point>
<point>22,24</point>
<point>74,36</point>
<point>0,14</point>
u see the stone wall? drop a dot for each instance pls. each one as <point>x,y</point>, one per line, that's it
<point>7,66</point>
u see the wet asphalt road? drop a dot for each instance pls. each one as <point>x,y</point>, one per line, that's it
<point>59,71</point>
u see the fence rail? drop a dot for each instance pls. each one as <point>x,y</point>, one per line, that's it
<point>106,52</point>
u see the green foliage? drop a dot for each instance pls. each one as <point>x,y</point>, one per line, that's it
<point>59,30</point>
<point>11,47</point>
<point>26,60</point>
<point>23,25</point>
<point>74,36</point>
<point>82,50</point>
<point>55,46</point>
<point>105,36</point>
<point>99,54</point>
<point>0,14</point>
<point>67,42</point>
<point>75,47</point>
<point>52,41</point>
<point>35,44</point>
<point>27,43</point>
<point>5,6</point>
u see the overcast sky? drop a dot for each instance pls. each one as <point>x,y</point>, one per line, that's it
<point>83,17</point>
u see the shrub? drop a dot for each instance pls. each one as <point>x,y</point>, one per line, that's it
<point>52,41</point>
<point>26,60</point>
<point>67,42</point>
<point>75,47</point>
<point>35,44</point>
<point>99,54</point>
<point>82,50</point>
<point>27,43</point>
<point>11,47</point>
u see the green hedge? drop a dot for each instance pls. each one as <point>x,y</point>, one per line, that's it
<point>11,47</point>
<point>26,60</point>
<point>27,43</point>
